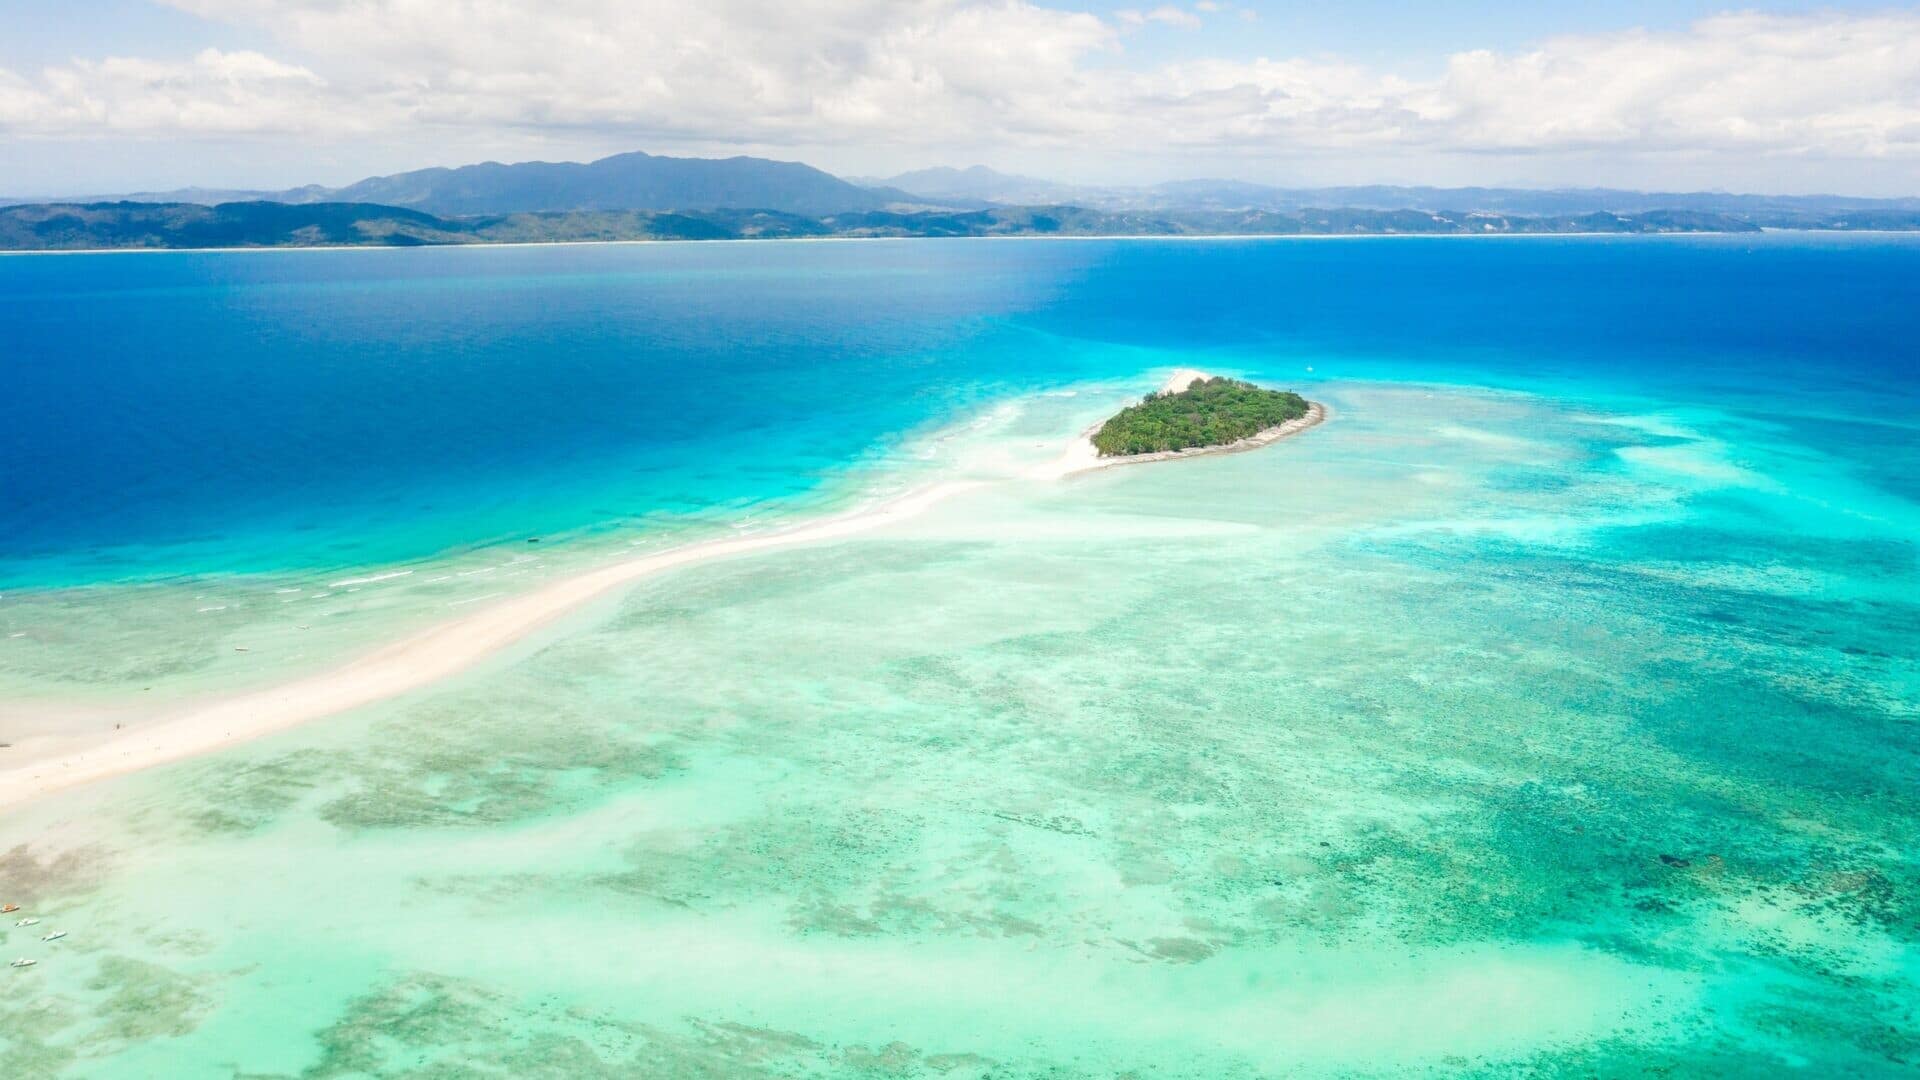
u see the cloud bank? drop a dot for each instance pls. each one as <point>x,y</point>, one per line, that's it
<point>920,75</point>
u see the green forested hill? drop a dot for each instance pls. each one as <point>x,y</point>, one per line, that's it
<point>83,226</point>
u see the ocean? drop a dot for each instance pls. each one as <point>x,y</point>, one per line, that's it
<point>1551,710</point>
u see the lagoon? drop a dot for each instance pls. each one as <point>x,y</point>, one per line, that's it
<point>1548,711</point>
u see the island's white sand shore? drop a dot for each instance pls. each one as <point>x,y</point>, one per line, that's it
<point>453,647</point>
<point>1181,379</point>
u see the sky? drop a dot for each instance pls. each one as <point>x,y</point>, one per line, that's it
<point>131,95</point>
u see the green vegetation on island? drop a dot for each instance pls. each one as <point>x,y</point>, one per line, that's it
<point>1210,412</point>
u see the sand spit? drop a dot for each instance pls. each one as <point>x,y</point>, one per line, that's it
<point>410,663</point>
<point>40,766</point>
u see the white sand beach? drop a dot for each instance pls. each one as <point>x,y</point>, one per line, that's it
<point>453,647</point>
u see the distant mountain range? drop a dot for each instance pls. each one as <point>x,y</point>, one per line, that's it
<point>975,184</point>
<point>639,181</point>
<point>643,196</point>
<point>982,183</point>
<point>634,181</point>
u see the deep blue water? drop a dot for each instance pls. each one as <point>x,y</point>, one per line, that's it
<point>179,413</point>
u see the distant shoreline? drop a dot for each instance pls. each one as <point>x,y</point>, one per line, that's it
<point>1158,237</point>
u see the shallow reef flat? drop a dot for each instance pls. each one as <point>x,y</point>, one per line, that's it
<point>1459,735</point>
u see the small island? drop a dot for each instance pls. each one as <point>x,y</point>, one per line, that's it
<point>1208,414</point>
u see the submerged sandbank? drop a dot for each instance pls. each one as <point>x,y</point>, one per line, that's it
<point>450,648</point>
<point>413,662</point>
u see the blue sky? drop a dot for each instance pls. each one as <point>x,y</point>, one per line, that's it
<point>130,94</point>
<point>1422,34</point>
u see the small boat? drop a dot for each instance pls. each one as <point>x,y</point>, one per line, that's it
<point>23,962</point>
<point>55,936</point>
<point>26,922</point>
<point>9,907</point>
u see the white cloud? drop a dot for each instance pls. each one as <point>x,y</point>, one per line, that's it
<point>219,92</point>
<point>918,75</point>
<point>1847,86</point>
<point>1166,13</point>
<point>804,71</point>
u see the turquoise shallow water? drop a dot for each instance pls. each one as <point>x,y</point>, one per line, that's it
<point>1548,712</point>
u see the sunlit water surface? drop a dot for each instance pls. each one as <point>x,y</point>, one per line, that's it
<point>1550,711</point>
